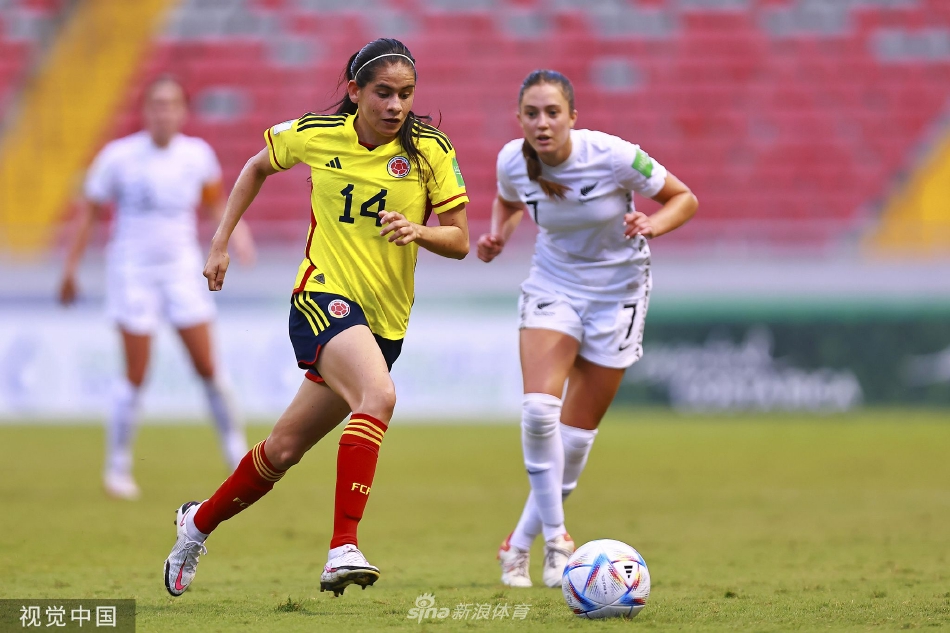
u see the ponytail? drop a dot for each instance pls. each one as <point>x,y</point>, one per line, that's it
<point>550,188</point>
<point>344,105</point>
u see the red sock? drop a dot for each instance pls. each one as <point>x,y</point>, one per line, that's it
<point>355,467</point>
<point>252,479</point>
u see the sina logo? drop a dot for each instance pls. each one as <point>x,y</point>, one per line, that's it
<point>398,167</point>
<point>586,190</point>
<point>426,609</point>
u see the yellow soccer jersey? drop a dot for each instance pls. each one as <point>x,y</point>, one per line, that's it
<point>345,253</point>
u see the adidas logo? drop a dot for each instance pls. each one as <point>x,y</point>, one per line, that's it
<point>586,190</point>
<point>335,163</point>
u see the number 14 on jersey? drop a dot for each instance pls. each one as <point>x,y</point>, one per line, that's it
<point>366,208</point>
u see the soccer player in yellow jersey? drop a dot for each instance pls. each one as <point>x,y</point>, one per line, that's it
<point>378,171</point>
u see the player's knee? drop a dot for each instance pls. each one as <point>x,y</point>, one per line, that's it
<point>284,452</point>
<point>540,414</point>
<point>205,368</point>
<point>136,378</point>
<point>380,403</point>
<point>287,458</point>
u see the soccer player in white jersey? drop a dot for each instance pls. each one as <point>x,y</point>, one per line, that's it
<point>156,179</point>
<point>585,300</point>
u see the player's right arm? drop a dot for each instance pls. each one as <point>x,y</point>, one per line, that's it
<point>506,211</point>
<point>505,217</point>
<point>88,211</point>
<point>284,149</point>
<point>248,184</point>
<point>98,191</point>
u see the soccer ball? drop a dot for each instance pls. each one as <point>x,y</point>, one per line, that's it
<point>606,579</point>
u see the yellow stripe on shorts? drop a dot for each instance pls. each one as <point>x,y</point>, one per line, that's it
<point>317,310</point>
<point>298,303</point>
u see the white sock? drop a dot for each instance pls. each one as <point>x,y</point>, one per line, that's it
<point>191,530</point>
<point>529,526</point>
<point>577,444</point>
<point>339,551</point>
<point>120,429</point>
<point>544,458</point>
<point>227,420</point>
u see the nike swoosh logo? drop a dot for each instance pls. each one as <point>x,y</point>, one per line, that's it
<point>182,520</point>
<point>178,585</point>
<point>623,347</point>
<point>528,195</point>
<point>543,305</point>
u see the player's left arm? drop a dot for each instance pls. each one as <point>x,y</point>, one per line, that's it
<point>679,205</point>
<point>445,189</point>
<point>213,199</point>
<point>635,170</point>
<point>449,239</point>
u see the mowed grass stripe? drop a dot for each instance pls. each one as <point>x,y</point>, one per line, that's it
<point>768,523</point>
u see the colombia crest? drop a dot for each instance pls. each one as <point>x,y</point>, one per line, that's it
<point>338,308</point>
<point>398,167</point>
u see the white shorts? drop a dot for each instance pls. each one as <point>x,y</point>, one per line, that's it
<point>138,297</point>
<point>610,332</point>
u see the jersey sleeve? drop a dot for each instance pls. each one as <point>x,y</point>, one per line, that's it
<point>506,190</point>
<point>635,170</point>
<point>101,178</point>
<point>284,145</point>
<point>212,168</point>
<point>446,187</point>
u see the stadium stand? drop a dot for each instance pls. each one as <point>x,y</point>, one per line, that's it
<point>792,119</point>
<point>24,27</point>
<point>64,110</point>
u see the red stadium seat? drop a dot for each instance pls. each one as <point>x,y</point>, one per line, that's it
<point>766,126</point>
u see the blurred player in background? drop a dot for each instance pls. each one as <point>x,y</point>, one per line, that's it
<point>156,179</point>
<point>584,303</point>
<point>377,171</point>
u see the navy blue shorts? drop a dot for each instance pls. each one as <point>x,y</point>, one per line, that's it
<point>316,317</point>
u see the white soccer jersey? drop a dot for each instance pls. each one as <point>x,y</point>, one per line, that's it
<point>581,247</point>
<point>156,191</point>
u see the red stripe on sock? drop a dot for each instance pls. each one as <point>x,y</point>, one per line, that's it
<point>355,469</point>
<point>254,477</point>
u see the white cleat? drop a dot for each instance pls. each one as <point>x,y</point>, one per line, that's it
<point>349,568</point>
<point>514,565</point>
<point>557,551</point>
<point>121,486</point>
<point>182,563</point>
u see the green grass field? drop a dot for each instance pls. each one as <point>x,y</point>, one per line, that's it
<point>773,523</point>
